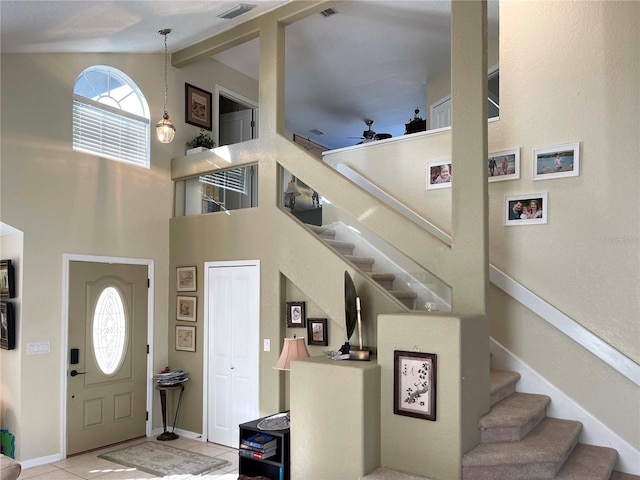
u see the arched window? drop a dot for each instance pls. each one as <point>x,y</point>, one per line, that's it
<point>110,116</point>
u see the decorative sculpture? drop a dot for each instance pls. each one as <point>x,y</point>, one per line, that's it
<point>353,317</point>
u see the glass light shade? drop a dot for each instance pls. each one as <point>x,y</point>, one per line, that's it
<point>165,130</point>
<point>293,349</point>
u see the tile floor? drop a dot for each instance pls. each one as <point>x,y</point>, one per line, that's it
<point>89,466</point>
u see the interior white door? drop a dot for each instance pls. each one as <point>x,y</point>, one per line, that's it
<point>441,113</point>
<point>107,338</point>
<point>236,127</point>
<point>233,306</point>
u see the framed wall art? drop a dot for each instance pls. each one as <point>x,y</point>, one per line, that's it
<point>185,338</point>
<point>7,327</point>
<point>317,332</point>
<point>556,162</point>
<point>414,384</point>
<point>526,209</point>
<point>7,281</point>
<point>186,308</point>
<point>186,279</point>
<point>295,315</point>
<point>439,174</point>
<point>197,107</point>
<point>504,165</point>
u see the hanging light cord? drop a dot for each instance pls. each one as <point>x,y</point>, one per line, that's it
<point>166,88</point>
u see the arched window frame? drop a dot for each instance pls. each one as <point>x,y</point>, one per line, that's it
<point>113,122</point>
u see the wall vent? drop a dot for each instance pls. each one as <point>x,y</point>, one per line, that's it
<point>328,12</point>
<point>315,131</point>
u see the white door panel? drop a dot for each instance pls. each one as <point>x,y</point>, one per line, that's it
<point>233,349</point>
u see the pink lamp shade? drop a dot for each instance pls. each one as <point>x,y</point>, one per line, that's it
<point>293,349</point>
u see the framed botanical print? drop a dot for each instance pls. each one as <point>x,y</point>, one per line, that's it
<point>414,384</point>
<point>186,308</point>
<point>186,279</point>
<point>185,338</point>
<point>295,315</point>
<point>317,331</point>
<point>197,107</point>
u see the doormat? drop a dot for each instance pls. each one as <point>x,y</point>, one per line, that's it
<point>161,460</point>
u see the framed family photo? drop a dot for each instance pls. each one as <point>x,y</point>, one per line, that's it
<point>504,165</point>
<point>527,209</point>
<point>186,279</point>
<point>185,338</point>
<point>186,308</point>
<point>295,315</point>
<point>556,162</point>
<point>439,174</point>
<point>317,332</point>
<point>197,107</point>
<point>414,384</point>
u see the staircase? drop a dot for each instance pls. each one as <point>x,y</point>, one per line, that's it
<point>346,249</point>
<point>518,441</point>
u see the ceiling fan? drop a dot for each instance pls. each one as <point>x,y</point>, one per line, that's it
<point>369,135</point>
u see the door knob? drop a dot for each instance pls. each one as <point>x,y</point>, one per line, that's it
<point>73,373</point>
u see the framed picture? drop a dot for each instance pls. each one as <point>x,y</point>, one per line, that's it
<point>526,209</point>
<point>7,327</point>
<point>186,308</point>
<point>317,332</point>
<point>504,165</point>
<point>439,174</point>
<point>7,283</point>
<point>556,162</point>
<point>295,315</point>
<point>414,384</point>
<point>186,279</point>
<point>197,107</point>
<point>185,338</point>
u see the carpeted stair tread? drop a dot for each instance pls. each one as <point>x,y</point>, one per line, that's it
<point>588,462</point>
<point>539,455</point>
<point>503,384</point>
<point>513,418</point>
<point>384,279</point>
<point>324,232</point>
<point>364,263</point>
<point>623,476</point>
<point>403,294</point>
<point>344,248</point>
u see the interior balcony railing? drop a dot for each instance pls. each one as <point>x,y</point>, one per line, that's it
<point>410,283</point>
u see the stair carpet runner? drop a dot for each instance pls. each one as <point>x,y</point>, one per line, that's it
<point>327,234</point>
<point>517,439</point>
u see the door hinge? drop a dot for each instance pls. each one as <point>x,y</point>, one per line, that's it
<point>146,416</point>
<point>148,282</point>
<point>147,349</point>
<point>253,124</point>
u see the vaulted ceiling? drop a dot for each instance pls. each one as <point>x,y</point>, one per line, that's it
<point>370,60</point>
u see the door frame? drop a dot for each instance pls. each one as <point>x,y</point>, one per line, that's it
<point>205,336</point>
<point>64,340</point>
<point>236,97</point>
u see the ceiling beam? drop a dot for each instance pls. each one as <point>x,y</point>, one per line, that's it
<point>287,14</point>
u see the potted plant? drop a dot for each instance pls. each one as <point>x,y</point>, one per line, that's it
<point>201,142</point>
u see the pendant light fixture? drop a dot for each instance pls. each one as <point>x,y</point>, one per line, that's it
<point>164,128</point>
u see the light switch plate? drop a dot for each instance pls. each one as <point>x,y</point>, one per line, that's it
<point>267,345</point>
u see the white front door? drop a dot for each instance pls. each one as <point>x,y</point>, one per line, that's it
<point>107,340</point>
<point>233,342</point>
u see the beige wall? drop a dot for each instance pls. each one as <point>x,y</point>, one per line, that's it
<point>568,79</point>
<point>68,202</point>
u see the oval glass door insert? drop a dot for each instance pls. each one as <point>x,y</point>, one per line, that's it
<point>109,331</point>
